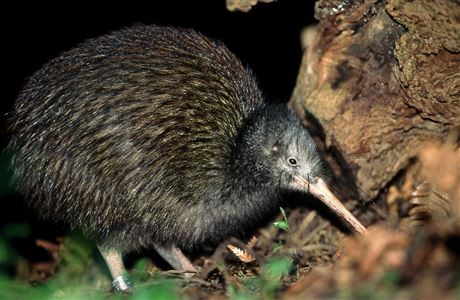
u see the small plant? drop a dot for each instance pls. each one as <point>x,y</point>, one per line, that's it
<point>283,224</point>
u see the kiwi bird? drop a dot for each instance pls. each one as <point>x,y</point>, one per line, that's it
<point>157,137</point>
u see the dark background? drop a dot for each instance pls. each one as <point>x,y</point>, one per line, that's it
<point>267,39</point>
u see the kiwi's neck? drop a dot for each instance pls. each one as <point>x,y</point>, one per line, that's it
<point>246,193</point>
<point>250,176</point>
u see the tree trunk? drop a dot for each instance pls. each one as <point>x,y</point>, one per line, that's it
<point>381,78</point>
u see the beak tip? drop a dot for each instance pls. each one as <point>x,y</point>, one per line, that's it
<point>319,189</point>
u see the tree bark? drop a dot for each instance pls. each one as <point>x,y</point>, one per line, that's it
<point>381,78</point>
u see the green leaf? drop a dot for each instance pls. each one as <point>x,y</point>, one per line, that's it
<point>283,213</point>
<point>281,225</point>
<point>163,290</point>
<point>278,267</point>
<point>239,294</point>
<point>391,279</point>
<point>272,272</point>
<point>139,273</point>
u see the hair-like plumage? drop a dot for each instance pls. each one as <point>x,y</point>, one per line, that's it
<point>149,134</point>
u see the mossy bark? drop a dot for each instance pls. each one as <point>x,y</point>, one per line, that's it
<point>381,78</point>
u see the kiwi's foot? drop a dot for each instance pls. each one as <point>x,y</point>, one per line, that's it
<point>122,284</point>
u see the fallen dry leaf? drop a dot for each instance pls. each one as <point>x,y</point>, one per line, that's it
<point>242,254</point>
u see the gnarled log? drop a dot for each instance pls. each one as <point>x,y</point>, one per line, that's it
<point>382,77</point>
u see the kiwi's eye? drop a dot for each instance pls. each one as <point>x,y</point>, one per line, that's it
<point>292,161</point>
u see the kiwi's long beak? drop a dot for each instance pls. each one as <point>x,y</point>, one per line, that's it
<point>321,191</point>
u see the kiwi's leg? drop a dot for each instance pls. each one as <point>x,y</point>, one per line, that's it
<point>176,259</point>
<point>114,261</point>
